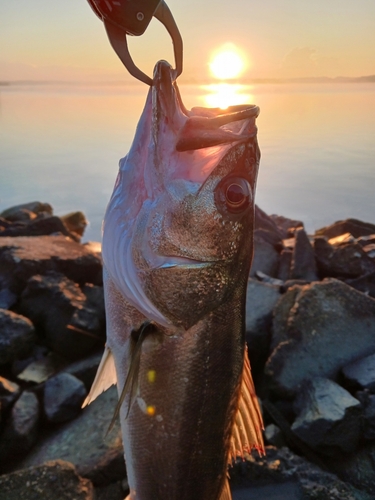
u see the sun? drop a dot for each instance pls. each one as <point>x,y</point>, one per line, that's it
<point>227,63</point>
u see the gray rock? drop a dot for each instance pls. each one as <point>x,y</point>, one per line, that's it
<point>56,480</point>
<point>329,417</point>
<point>365,284</point>
<point>260,301</point>
<point>361,373</point>
<point>7,298</point>
<point>318,329</point>
<point>39,227</point>
<point>369,418</point>
<point>20,431</point>
<point>266,258</point>
<point>63,397</point>
<point>35,207</point>
<point>264,221</point>
<point>355,227</point>
<point>17,336</point>
<point>288,226</point>
<point>82,442</point>
<point>85,369</point>
<point>9,392</point>
<point>23,257</point>
<point>274,436</point>
<point>347,260</point>
<point>303,265</point>
<point>58,306</point>
<point>285,264</point>
<point>280,467</point>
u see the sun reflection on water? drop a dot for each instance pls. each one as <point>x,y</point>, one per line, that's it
<point>222,95</point>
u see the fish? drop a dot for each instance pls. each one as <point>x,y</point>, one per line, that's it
<point>177,248</point>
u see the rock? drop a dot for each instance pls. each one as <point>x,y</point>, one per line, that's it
<point>42,368</point>
<point>343,238</point>
<point>264,221</point>
<point>21,215</point>
<point>59,307</point>
<point>82,441</point>
<point>20,431</point>
<point>85,369</point>
<point>347,260</point>
<point>23,257</point>
<point>57,480</point>
<point>271,238</point>
<point>260,301</point>
<point>329,417</point>
<point>35,207</point>
<point>318,329</point>
<point>9,392</point>
<point>361,373</point>
<point>303,261</point>
<point>368,417</point>
<point>113,491</point>
<point>17,336</point>
<point>75,222</point>
<point>274,436</point>
<point>370,250</point>
<point>63,397</point>
<point>285,264</point>
<point>40,226</point>
<point>358,468</point>
<point>292,478</point>
<point>266,258</point>
<point>355,227</point>
<point>287,226</point>
<point>366,240</point>
<point>7,298</point>
<point>365,284</point>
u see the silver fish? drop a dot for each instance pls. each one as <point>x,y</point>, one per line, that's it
<point>177,248</point>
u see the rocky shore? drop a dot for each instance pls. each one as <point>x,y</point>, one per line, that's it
<point>310,327</point>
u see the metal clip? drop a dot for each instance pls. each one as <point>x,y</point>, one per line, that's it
<point>131,17</point>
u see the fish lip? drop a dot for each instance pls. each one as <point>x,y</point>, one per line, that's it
<point>182,262</point>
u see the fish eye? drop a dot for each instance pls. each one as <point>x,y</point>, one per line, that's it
<point>237,193</point>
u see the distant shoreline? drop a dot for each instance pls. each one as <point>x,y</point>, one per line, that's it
<point>248,81</point>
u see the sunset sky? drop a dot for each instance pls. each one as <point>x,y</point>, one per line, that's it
<point>64,40</point>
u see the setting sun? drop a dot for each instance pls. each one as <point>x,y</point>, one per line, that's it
<point>227,63</point>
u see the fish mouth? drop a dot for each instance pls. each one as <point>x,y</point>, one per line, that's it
<point>182,262</point>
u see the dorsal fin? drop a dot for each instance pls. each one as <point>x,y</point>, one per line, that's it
<point>104,378</point>
<point>248,425</point>
<point>225,493</point>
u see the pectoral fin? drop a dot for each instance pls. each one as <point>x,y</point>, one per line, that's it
<point>247,429</point>
<point>104,378</point>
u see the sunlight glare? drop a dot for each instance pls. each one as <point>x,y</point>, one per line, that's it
<point>227,63</point>
<point>222,95</point>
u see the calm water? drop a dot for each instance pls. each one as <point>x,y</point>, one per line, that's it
<point>61,144</point>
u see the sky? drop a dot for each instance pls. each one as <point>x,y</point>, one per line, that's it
<point>64,40</point>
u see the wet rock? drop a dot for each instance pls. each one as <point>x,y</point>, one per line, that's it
<point>329,417</point>
<point>361,373</point>
<point>289,476</point>
<point>36,207</point>
<point>56,480</point>
<point>347,260</point>
<point>17,336</point>
<point>20,431</point>
<point>9,392</point>
<point>318,329</point>
<point>355,227</point>
<point>303,265</point>
<point>23,257</point>
<point>266,258</point>
<point>82,442</point>
<point>63,397</point>
<point>260,301</point>
<point>285,264</point>
<point>59,307</point>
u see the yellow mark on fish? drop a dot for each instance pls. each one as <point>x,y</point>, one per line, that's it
<point>151,376</point>
<point>151,410</point>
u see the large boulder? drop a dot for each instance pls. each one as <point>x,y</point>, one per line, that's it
<point>71,323</point>
<point>56,480</point>
<point>329,417</point>
<point>17,336</point>
<point>361,373</point>
<point>355,227</point>
<point>84,443</point>
<point>266,257</point>
<point>23,257</point>
<point>318,329</point>
<point>34,207</point>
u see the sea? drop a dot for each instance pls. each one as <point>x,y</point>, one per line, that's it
<point>61,144</point>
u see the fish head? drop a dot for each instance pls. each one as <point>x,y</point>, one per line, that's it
<point>178,231</point>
